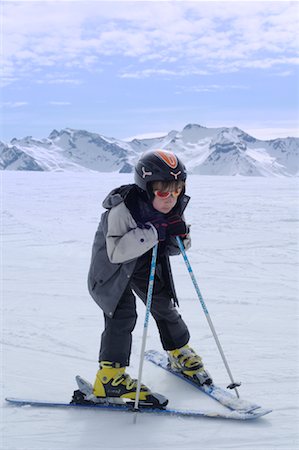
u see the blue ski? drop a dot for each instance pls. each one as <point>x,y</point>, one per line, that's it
<point>124,408</point>
<point>224,397</point>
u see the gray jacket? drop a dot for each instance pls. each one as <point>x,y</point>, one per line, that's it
<point>119,241</point>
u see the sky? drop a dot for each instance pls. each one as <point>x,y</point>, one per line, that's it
<point>144,68</point>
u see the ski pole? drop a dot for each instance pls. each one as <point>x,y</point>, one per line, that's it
<point>145,326</point>
<point>233,384</point>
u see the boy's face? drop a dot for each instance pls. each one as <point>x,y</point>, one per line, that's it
<point>164,205</point>
<point>166,195</point>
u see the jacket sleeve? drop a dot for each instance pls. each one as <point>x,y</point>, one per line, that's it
<point>126,241</point>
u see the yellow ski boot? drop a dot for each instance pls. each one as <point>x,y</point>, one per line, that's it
<point>112,383</point>
<point>186,361</point>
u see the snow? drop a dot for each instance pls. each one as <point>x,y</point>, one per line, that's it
<point>245,258</point>
<point>260,154</point>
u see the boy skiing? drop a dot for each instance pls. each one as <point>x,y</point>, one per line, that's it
<point>138,217</point>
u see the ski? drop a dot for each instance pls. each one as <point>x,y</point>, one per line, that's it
<point>217,393</point>
<point>235,415</point>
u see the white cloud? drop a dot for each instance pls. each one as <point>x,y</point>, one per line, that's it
<point>151,135</point>
<point>270,129</point>
<point>13,104</point>
<point>285,73</point>
<point>59,81</point>
<point>146,73</point>
<point>59,103</point>
<point>209,88</point>
<point>211,36</point>
<point>272,133</point>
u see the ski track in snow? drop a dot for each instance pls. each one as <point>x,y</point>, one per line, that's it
<point>245,257</point>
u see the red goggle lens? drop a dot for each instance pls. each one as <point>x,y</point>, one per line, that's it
<point>163,194</point>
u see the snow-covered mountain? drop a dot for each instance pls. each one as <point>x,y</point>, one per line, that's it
<point>205,151</point>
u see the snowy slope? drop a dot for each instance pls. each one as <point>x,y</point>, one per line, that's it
<point>43,155</point>
<point>230,155</point>
<point>91,150</point>
<point>245,257</point>
<point>230,151</point>
<point>206,151</point>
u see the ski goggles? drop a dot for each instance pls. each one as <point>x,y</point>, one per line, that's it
<point>167,194</point>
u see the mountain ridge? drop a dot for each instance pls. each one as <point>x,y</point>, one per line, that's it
<point>205,151</point>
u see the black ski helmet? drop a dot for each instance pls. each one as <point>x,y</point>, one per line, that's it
<point>158,165</point>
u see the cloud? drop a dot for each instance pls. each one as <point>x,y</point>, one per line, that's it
<point>209,88</point>
<point>284,73</point>
<point>272,133</point>
<point>205,36</point>
<point>146,73</point>
<point>13,104</point>
<point>59,81</point>
<point>59,103</point>
<point>153,134</point>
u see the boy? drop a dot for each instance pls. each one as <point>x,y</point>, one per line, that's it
<point>139,216</point>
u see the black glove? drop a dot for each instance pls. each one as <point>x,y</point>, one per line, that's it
<point>177,226</point>
<point>161,224</point>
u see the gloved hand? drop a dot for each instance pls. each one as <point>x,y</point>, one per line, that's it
<point>161,224</point>
<point>177,226</point>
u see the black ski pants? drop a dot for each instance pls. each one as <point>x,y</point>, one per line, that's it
<point>116,341</point>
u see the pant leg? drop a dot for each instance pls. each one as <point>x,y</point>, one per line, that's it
<point>116,341</point>
<point>172,329</point>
